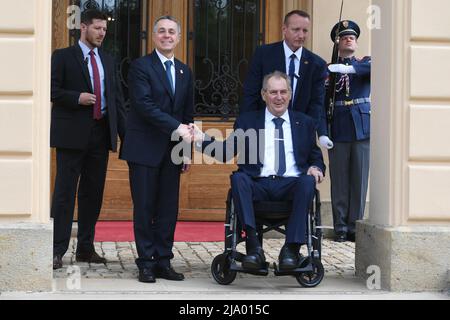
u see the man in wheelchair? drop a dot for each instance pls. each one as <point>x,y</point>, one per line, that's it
<point>278,160</point>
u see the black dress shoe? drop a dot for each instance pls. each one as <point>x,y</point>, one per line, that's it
<point>255,260</point>
<point>351,236</point>
<point>91,257</point>
<point>146,275</point>
<point>340,237</point>
<point>57,262</point>
<point>288,259</point>
<point>168,273</point>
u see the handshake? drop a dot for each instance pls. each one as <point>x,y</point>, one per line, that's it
<point>190,133</point>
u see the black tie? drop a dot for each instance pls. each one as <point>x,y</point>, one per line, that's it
<point>280,157</point>
<point>292,76</point>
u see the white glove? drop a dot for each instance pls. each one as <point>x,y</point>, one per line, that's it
<point>325,142</point>
<point>341,68</point>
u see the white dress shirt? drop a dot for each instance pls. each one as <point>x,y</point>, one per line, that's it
<point>288,52</point>
<point>268,168</point>
<point>172,71</point>
<point>101,71</point>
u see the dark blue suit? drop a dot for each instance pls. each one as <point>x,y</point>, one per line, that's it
<point>350,132</point>
<point>154,114</point>
<point>246,184</point>
<point>310,91</point>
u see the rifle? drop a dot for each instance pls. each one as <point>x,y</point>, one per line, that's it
<point>330,96</point>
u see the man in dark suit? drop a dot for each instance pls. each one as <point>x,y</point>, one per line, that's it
<point>161,94</point>
<point>278,160</point>
<point>87,115</point>
<point>306,70</point>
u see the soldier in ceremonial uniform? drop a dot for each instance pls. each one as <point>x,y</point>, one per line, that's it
<point>349,140</point>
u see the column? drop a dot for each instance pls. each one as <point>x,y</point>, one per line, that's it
<point>25,228</point>
<point>408,232</point>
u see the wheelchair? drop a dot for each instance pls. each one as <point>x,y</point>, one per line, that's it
<point>271,215</point>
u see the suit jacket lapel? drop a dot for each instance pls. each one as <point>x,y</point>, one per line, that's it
<point>304,69</point>
<point>179,79</point>
<point>161,72</point>
<point>106,70</point>
<point>296,135</point>
<point>260,131</point>
<point>84,68</point>
<point>280,58</point>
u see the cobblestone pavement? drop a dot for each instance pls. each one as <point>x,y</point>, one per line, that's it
<point>194,259</point>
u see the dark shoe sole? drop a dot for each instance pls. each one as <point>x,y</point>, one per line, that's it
<point>167,278</point>
<point>252,266</point>
<point>90,261</point>
<point>288,266</point>
<point>147,280</point>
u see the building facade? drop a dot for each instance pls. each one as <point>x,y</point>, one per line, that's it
<point>408,230</point>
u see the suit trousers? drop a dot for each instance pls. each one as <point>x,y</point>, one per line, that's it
<point>300,190</point>
<point>349,173</point>
<point>85,171</point>
<point>155,193</point>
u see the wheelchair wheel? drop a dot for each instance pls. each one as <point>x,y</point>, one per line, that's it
<point>220,269</point>
<point>312,278</point>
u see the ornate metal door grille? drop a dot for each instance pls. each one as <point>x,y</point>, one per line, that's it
<point>223,36</point>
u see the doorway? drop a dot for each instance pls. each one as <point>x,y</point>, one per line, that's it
<point>218,40</point>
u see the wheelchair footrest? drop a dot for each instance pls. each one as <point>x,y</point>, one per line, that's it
<point>260,272</point>
<point>291,272</point>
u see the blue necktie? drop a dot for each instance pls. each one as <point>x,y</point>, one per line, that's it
<point>168,65</point>
<point>292,76</point>
<point>280,165</point>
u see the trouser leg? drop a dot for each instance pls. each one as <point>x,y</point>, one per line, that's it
<point>68,168</point>
<point>91,186</point>
<point>340,184</point>
<point>359,178</point>
<point>245,190</point>
<point>301,191</point>
<point>166,211</point>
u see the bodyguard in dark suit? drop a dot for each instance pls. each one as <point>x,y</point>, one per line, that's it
<point>306,70</point>
<point>161,96</point>
<point>87,116</point>
<point>286,165</point>
<point>350,133</point>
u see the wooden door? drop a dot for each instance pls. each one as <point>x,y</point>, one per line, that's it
<point>203,190</point>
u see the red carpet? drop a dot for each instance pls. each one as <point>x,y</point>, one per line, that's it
<point>115,231</point>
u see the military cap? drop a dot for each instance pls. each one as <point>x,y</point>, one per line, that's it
<point>345,28</point>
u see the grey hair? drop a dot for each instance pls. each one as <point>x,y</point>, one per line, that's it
<point>278,75</point>
<point>167,17</point>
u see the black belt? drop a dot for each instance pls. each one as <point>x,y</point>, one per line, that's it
<point>273,177</point>
<point>351,102</point>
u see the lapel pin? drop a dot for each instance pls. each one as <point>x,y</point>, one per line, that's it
<point>181,71</point>
<point>306,62</point>
<point>297,123</point>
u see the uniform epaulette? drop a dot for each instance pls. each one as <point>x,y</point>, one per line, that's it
<point>364,59</point>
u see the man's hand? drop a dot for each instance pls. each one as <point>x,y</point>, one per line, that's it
<point>316,173</point>
<point>185,132</point>
<point>325,142</point>
<point>341,68</point>
<point>197,134</point>
<point>87,99</point>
